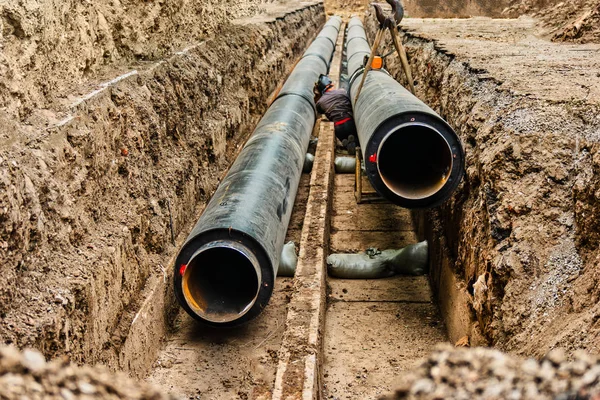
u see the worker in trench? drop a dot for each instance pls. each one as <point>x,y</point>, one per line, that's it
<point>335,104</point>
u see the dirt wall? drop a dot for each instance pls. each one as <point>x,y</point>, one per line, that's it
<point>515,233</point>
<point>51,47</point>
<point>90,199</point>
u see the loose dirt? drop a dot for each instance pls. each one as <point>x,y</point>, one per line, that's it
<point>490,374</point>
<point>26,375</point>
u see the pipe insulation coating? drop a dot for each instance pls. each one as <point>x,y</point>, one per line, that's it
<point>225,271</point>
<point>412,156</point>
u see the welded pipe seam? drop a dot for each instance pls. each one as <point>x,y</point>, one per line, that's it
<point>324,36</point>
<point>356,37</point>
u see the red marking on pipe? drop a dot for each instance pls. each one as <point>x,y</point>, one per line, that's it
<point>182,269</point>
<point>373,158</point>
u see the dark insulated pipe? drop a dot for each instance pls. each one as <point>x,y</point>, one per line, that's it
<point>225,271</point>
<point>412,156</point>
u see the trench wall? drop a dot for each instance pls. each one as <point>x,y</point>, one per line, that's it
<point>514,252</point>
<point>91,198</point>
<point>51,47</point>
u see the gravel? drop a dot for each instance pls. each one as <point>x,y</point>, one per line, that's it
<point>27,375</point>
<point>481,373</point>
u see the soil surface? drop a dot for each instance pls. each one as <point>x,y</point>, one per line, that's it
<point>425,8</point>
<point>518,234</point>
<point>237,363</point>
<point>376,328</point>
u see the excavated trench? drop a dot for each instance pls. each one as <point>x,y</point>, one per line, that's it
<point>115,180</point>
<point>117,176</point>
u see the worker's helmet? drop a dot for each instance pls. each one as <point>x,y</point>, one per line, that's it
<point>323,83</point>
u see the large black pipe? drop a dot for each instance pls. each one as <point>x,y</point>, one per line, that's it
<point>225,271</point>
<point>412,156</point>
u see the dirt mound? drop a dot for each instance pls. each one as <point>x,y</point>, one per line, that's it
<point>481,373</point>
<point>27,375</point>
<point>569,20</point>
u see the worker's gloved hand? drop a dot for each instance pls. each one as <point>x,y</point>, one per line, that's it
<point>351,146</point>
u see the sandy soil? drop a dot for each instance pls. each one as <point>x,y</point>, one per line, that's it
<point>425,8</point>
<point>570,20</point>
<point>517,231</point>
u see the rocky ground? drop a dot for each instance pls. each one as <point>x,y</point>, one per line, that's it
<point>479,373</point>
<point>26,375</point>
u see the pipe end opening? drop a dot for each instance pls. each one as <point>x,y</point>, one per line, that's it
<point>221,281</point>
<point>414,161</point>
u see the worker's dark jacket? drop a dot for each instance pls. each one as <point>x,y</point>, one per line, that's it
<point>335,104</point>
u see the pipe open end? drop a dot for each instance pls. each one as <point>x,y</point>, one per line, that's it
<point>414,161</point>
<point>221,281</point>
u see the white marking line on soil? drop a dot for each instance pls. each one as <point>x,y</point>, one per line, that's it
<point>188,49</point>
<point>103,87</point>
<point>281,368</point>
<point>147,304</point>
<point>62,122</point>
